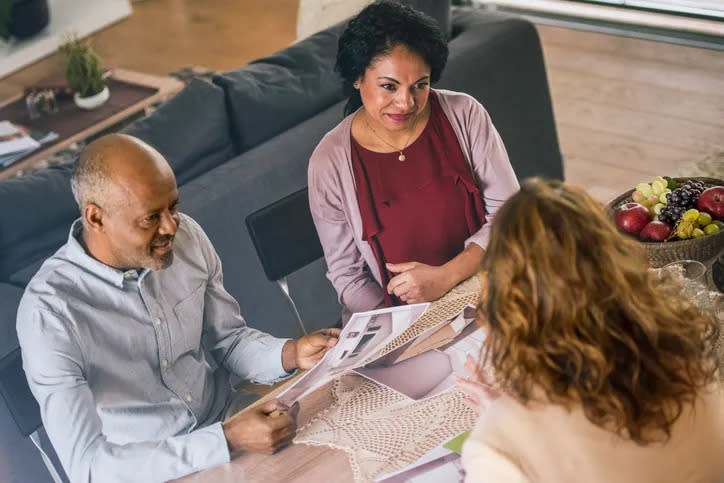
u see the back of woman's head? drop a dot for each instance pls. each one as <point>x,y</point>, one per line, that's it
<point>375,31</point>
<point>574,316</point>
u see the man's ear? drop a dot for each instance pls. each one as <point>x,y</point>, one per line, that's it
<point>93,217</point>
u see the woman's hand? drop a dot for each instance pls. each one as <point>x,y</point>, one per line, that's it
<point>416,282</point>
<point>477,388</point>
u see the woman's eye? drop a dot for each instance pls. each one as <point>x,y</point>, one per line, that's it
<point>422,85</point>
<point>389,87</point>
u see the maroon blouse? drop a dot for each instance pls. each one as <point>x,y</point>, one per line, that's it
<point>421,209</point>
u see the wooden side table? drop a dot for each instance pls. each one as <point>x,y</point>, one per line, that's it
<point>73,124</point>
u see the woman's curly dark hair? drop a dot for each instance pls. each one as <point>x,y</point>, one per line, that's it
<point>375,31</point>
<point>574,316</point>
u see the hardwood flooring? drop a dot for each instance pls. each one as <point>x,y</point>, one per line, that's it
<point>626,109</point>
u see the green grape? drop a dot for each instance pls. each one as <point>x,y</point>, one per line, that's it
<point>645,189</point>
<point>711,229</point>
<point>719,223</point>
<point>697,233</point>
<point>690,215</point>
<point>663,200</point>
<point>658,187</point>
<point>704,219</point>
<point>684,230</point>
<point>637,197</point>
<point>657,208</point>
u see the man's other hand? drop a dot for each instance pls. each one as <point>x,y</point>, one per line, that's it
<point>263,429</point>
<point>306,351</point>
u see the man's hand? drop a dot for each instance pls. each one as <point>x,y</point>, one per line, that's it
<point>477,388</point>
<point>417,282</point>
<point>265,429</point>
<point>305,352</point>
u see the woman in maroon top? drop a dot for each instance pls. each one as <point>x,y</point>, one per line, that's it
<point>400,189</point>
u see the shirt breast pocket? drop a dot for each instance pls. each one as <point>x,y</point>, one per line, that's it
<point>190,317</point>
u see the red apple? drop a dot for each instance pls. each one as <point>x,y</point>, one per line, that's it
<point>632,218</point>
<point>711,200</point>
<point>655,231</point>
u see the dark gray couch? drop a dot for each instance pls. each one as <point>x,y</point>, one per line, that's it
<point>244,141</point>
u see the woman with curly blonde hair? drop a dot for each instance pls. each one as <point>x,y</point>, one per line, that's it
<point>601,371</point>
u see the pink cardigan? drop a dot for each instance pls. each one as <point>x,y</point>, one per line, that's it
<point>351,265</point>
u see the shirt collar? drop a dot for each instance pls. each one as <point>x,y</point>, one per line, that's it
<point>78,255</point>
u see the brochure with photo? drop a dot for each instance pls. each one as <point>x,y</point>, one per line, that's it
<point>362,336</point>
<point>422,368</point>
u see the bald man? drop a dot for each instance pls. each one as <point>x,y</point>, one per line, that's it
<point>128,336</point>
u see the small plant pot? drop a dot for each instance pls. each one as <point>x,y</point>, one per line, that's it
<point>92,102</point>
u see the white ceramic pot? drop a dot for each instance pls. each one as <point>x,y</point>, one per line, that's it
<point>91,102</point>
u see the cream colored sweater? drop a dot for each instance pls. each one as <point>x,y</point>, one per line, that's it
<point>513,443</point>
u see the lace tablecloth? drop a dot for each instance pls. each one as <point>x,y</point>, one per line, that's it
<point>381,430</point>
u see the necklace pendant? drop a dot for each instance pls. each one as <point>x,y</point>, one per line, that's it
<point>401,157</point>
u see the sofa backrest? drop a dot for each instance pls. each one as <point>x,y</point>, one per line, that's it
<point>36,214</point>
<point>272,94</point>
<point>191,130</point>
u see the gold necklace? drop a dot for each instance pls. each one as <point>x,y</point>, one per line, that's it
<point>402,156</point>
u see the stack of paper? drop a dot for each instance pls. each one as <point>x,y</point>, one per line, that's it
<point>16,142</point>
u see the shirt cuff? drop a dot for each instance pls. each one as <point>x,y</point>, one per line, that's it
<point>207,447</point>
<point>283,374</point>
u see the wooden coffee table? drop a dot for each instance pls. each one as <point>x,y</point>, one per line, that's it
<point>136,92</point>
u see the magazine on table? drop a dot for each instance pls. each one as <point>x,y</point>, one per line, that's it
<point>441,463</point>
<point>17,142</point>
<point>419,369</point>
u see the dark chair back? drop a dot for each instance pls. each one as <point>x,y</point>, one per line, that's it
<point>284,235</point>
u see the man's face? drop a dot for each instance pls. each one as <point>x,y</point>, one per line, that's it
<point>140,227</point>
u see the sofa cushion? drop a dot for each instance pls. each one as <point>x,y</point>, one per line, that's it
<point>191,130</point>
<point>272,94</point>
<point>10,297</point>
<point>37,212</point>
<point>220,202</point>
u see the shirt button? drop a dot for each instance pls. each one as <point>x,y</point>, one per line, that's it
<point>164,363</point>
<point>157,321</point>
<point>188,398</point>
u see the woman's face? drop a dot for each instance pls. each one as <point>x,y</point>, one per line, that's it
<point>394,89</point>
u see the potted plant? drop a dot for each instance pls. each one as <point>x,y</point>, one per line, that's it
<point>84,72</point>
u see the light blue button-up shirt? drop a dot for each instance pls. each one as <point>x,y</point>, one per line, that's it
<point>130,369</point>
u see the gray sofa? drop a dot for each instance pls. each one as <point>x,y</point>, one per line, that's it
<point>242,142</point>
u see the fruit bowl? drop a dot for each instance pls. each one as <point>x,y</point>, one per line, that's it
<point>660,253</point>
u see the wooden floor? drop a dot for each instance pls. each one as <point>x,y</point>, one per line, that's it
<point>626,109</point>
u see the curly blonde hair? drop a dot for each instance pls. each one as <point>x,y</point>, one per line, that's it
<point>574,317</point>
